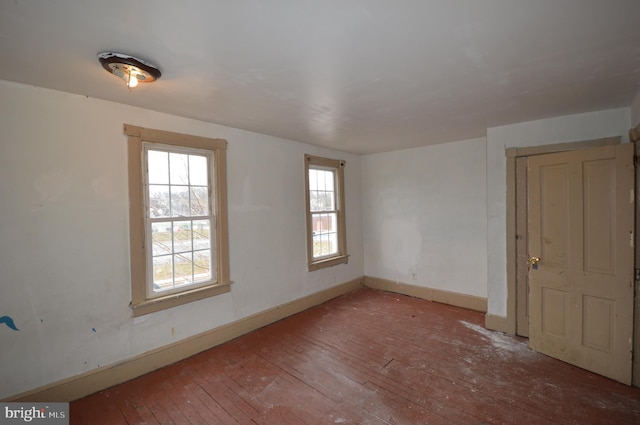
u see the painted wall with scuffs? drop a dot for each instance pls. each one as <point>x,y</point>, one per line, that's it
<point>587,126</point>
<point>64,256</point>
<point>425,215</point>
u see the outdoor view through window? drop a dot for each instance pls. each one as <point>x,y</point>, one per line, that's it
<point>179,219</point>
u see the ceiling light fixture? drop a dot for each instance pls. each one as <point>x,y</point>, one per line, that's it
<point>131,70</point>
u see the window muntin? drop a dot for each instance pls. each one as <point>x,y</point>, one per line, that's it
<point>326,235</point>
<point>179,211</point>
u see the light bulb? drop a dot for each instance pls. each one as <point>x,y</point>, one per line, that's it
<point>133,81</point>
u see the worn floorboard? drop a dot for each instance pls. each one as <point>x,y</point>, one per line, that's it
<point>369,357</point>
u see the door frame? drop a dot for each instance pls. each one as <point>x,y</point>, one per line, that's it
<point>521,243</point>
<point>512,154</point>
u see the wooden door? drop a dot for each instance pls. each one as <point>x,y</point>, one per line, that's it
<point>580,234</point>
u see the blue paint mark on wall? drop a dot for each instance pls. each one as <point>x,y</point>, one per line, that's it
<point>9,322</point>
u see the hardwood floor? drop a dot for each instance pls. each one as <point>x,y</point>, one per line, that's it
<point>369,357</point>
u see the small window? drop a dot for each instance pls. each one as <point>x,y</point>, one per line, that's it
<point>178,219</point>
<point>326,233</point>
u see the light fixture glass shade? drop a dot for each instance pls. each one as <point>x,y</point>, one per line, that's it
<point>131,70</point>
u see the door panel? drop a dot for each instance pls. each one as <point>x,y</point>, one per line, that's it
<point>599,212</point>
<point>580,225</point>
<point>554,211</point>
<point>554,309</point>
<point>598,323</point>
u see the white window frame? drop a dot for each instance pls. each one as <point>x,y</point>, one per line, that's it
<point>149,221</point>
<point>341,256</point>
<point>143,299</point>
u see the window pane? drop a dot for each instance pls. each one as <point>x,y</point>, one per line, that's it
<point>182,236</point>
<point>198,173</point>
<point>161,238</point>
<point>158,201</point>
<point>330,201</point>
<point>317,245</point>
<point>183,266</point>
<point>199,200</point>
<point>328,180</point>
<point>180,201</point>
<point>324,241</point>
<point>201,265</point>
<point>313,179</point>
<point>332,222</point>
<point>315,201</point>
<point>179,168</point>
<point>158,166</point>
<point>162,273</point>
<point>332,243</point>
<point>322,200</point>
<point>201,229</point>
<point>322,223</point>
<point>321,185</point>
<point>327,222</point>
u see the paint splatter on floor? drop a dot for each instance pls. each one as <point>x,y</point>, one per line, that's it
<point>500,340</point>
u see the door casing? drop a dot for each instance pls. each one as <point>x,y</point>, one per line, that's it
<point>515,285</point>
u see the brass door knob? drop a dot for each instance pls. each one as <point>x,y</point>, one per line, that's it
<point>534,260</point>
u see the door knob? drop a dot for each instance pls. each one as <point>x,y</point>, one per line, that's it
<point>534,260</point>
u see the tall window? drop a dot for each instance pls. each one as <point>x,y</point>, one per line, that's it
<point>326,234</point>
<point>178,220</point>
<point>179,208</point>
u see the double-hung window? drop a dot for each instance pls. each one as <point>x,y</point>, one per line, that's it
<point>326,229</point>
<point>178,220</point>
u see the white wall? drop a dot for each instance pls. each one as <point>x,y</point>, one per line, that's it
<point>64,251</point>
<point>424,211</point>
<point>635,111</point>
<point>571,128</point>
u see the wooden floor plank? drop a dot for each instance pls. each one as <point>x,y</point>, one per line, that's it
<point>185,393</point>
<point>96,408</point>
<point>369,357</point>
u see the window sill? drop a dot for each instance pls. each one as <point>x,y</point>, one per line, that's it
<point>173,300</point>
<point>328,262</point>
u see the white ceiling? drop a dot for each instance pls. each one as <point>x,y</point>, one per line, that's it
<point>356,75</point>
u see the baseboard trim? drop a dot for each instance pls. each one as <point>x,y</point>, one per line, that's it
<point>104,377</point>
<point>438,295</point>
<point>498,323</point>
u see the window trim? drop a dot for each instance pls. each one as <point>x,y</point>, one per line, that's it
<point>140,303</point>
<point>311,161</point>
